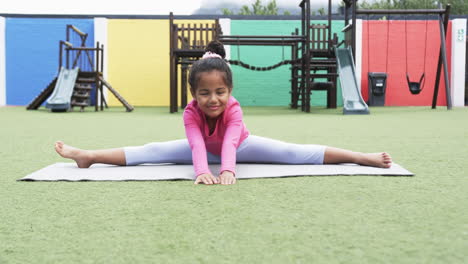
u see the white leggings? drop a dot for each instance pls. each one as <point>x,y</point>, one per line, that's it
<point>253,149</point>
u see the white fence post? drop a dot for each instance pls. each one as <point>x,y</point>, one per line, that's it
<point>458,62</point>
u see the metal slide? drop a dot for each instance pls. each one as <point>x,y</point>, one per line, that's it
<point>352,99</point>
<point>63,91</point>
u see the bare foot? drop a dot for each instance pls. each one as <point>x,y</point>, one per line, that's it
<point>81,157</point>
<point>381,160</point>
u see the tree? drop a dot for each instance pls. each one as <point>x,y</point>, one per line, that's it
<point>321,11</point>
<point>271,8</point>
<point>459,7</point>
<point>245,10</point>
<point>227,12</point>
<point>257,9</point>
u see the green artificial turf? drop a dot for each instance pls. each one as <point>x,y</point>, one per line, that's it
<point>334,219</point>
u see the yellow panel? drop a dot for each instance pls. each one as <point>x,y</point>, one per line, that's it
<point>138,59</point>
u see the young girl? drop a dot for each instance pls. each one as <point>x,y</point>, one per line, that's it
<point>216,133</point>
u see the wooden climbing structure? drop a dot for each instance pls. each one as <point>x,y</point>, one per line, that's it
<point>187,44</point>
<point>313,62</point>
<point>90,82</point>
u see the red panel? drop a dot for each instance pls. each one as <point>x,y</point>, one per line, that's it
<point>392,47</point>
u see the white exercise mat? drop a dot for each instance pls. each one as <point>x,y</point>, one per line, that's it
<point>154,172</point>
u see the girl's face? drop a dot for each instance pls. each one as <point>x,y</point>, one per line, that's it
<point>212,93</point>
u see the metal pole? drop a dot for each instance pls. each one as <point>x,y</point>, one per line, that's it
<point>329,25</point>
<point>302,52</point>
<point>302,20</point>
<point>444,59</point>
<point>305,89</point>
<point>60,55</point>
<point>68,33</point>
<point>439,64</point>
<point>183,80</point>
<point>294,74</point>
<point>171,66</point>
<point>346,16</point>
<point>101,73</point>
<point>96,75</point>
<point>67,52</point>
<point>353,38</point>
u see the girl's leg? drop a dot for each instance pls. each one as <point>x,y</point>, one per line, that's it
<point>176,151</point>
<point>85,158</point>
<point>336,155</point>
<point>264,150</point>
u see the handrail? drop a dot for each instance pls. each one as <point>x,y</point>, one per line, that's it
<point>66,43</point>
<point>347,27</point>
<point>77,30</point>
<point>82,48</point>
<point>260,37</point>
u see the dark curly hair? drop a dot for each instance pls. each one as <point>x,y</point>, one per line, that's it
<point>211,64</point>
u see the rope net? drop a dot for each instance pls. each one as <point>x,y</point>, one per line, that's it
<point>267,68</point>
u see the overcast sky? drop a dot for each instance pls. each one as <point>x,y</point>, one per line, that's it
<point>116,7</point>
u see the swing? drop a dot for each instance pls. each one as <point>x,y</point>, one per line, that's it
<point>415,87</point>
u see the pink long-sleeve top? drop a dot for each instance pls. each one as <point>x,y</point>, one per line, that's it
<point>229,133</point>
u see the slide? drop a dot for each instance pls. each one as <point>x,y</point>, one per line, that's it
<point>352,99</point>
<point>63,91</point>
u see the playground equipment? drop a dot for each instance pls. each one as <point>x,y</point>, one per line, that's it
<point>312,59</point>
<point>415,87</point>
<point>187,44</point>
<point>443,17</point>
<point>80,79</point>
<point>60,98</point>
<point>352,99</point>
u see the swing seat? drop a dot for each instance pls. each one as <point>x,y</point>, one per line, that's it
<point>415,87</point>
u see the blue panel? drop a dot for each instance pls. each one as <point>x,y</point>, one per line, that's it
<point>32,52</point>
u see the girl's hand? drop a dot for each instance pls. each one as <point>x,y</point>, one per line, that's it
<point>206,179</point>
<point>227,177</point>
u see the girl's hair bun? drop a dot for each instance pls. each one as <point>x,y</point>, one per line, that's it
<point>216,47</point>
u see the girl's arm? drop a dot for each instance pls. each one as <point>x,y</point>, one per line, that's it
<point>197,143</point>
<point>234,127</point>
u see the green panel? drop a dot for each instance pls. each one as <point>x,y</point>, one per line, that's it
<point>269,88</point>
